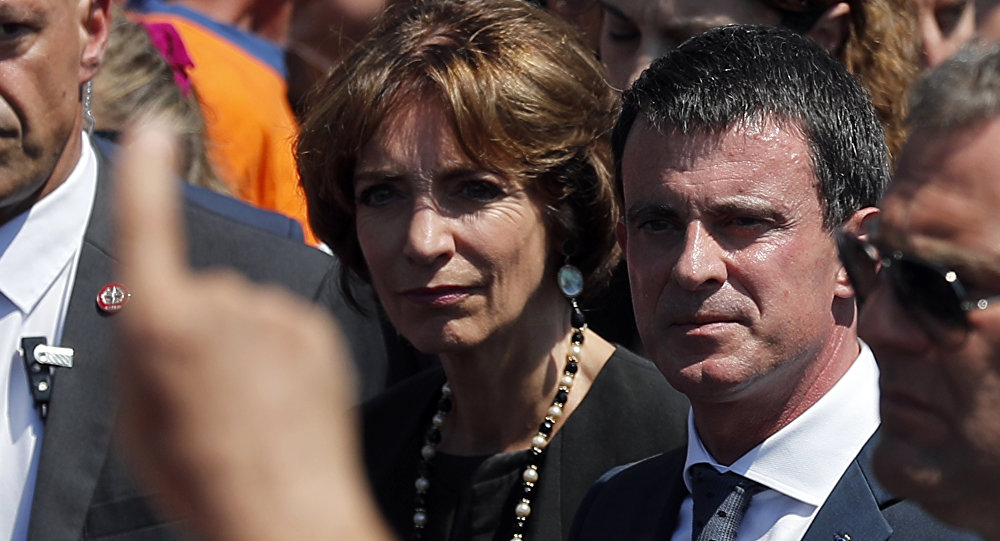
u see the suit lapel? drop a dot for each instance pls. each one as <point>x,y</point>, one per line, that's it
<point>81,416</point>
<point>854,508</point>
<point>676,492</point>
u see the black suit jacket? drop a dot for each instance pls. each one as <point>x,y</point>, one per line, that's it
<point>82,489</point>
<point>641,501</point>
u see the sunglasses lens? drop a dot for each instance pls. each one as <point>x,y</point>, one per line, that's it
<point>933,299</point>
<point>928,289</point>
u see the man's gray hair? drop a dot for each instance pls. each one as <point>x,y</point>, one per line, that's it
<point>960,92</point>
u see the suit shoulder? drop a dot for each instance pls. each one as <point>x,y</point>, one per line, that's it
<point>640,475</point>
<point>215,240</point>
<point>632,501</point>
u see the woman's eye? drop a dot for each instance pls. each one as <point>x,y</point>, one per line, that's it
<point>378,195</point>
<point>480,190</point>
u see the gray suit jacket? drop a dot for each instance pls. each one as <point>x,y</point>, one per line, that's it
<point>82,490</point>
<point>641,501</point>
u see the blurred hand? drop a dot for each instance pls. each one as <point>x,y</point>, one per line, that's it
<point>234,397</point>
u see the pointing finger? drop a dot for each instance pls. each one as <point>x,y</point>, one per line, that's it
<point>150,234</point>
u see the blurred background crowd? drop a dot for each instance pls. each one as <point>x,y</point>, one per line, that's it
<point>456,184</point>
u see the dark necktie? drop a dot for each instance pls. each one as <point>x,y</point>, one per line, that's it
<point>720,501</point>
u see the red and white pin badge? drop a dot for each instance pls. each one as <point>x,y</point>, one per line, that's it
<point>113,297</point>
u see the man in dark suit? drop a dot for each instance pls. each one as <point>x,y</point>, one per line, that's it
<point>931,309</point>
<point>740,154</point>
<point>59,478</point>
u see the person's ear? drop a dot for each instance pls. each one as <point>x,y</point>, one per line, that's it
<point>859,224</point>
<point>833,28</point>
<point>95,26</point>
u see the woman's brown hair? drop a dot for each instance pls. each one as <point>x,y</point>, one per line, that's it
<point>524,95</point>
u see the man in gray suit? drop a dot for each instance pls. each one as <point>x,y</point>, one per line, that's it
<point>739,155</point>
<point>930,273</point>
<point>59,478</point>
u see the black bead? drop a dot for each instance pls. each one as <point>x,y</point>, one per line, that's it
<point>518,525</point>
<point>444,405</point>
<point>572,367</point>
<point>527,490</point>
<point>546,427</point>
<point>577,320</point>
<point>434,436</point>
<point>577,337</point>
<point>561,397</point>
<point>420,500</point>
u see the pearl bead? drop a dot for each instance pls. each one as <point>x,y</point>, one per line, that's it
<point>575,349</point>
<point>555,411</point>
<point>420,518</point>
<point>539,441</point>
<point>422,484</point>
<point>530,475</point>
<point>427,452</point>
<point>523,509</point>
<point>437,420</point>
<point>566,381</point>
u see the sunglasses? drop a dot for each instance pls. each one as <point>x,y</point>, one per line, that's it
<point>933,294</point>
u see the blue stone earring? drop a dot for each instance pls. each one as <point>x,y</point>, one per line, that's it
<point>571,284</point>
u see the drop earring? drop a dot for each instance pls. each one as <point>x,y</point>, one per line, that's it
<point>87,99</point>
<point>571,284</point>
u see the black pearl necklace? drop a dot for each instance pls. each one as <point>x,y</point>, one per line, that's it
<point>532,471</point>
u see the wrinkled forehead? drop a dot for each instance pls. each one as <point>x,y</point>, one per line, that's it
<point>943,201</point>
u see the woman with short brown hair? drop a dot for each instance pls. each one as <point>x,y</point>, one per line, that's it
<point>459,160</point>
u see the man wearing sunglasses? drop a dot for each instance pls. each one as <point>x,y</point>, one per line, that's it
<point>930,276</point>
<point>740,154</point>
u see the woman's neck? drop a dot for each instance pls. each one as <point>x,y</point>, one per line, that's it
<point>502,389</point>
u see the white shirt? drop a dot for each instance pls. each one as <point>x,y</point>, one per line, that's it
<point>801,463</point>
<point>39,253</point>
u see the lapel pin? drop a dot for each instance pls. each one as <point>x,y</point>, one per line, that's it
<point>113,297</point>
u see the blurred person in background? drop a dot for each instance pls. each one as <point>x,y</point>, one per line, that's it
<point>875,39</point>
<point>929,273</point>
<point>240,77</point>
<point>945,25</point>
<point>138,80</point>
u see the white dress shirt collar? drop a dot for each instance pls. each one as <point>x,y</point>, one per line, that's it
<point>831,433</point>
<point>36,245</point>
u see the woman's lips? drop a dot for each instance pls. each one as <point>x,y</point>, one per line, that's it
<point>437,295</point>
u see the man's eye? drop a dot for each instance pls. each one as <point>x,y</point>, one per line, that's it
<point>480,190</point>
<point>619,29</point>
<point>747,221</point>
<point>13,30</point>
<point>378,195</point>
<point>656,226</point>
